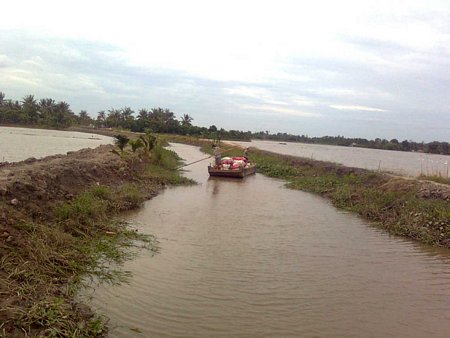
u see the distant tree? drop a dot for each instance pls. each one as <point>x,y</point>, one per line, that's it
<point>433,147</point>
<point>62,116</point>
<point>445,148</point>
<point>84,119</point>
<point>114,118</point>
<point>186,120</point>
<point>405,146</point>
<point>142,114</point>
<point>101,119</point>
<point>30,109</point>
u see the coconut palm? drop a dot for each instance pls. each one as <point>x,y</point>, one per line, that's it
<point>121,141</point>
<point>136,144</point>
<point>149,142</point>
<point>186,120</point>
<point>2,98</point>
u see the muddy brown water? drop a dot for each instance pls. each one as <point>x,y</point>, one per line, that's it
<point>18,144</point>
<point>250,258</point>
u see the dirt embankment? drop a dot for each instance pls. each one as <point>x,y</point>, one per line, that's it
<point>30,189</point>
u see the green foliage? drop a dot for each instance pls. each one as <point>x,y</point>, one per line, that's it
<point>434,178</point>
<point>84,209</point>
<point>164,158</point>
<point>149,142</point>
<point>130,196</point>
<point>121,141</point>
<point>136,144</point>
<point>45,112</point>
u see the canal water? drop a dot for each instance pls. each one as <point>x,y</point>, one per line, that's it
<point>18,144</point>
<point>250,258</point>
<point>397,162</point>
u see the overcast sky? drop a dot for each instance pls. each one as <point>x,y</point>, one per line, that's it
<point>354,68</point>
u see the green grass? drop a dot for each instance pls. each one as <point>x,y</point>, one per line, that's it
<point>435,178</point>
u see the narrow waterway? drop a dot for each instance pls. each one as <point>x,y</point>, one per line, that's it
<point>250,258</point>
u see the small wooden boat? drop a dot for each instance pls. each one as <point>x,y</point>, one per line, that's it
<point>240,172</point>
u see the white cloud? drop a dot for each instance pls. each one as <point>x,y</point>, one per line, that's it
<point>275,110</point>
<point>303,101</point>
<point>261,94</point>
<point>357,108</point>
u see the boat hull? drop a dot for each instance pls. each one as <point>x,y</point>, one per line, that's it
<point>234,173</point>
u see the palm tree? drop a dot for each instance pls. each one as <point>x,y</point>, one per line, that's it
<point>143,114</point>
<point>84,119</point>
<point>149,141</point>
<point>136,144</point>
<point>114,118</point>
<point>127,114</point>
<point>30,109</point>
<point>186,120</point>
<point>121,141</point>
<point>101,119</point>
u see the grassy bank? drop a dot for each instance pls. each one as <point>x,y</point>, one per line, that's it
<point>45,261</point>
<point>412,208</point>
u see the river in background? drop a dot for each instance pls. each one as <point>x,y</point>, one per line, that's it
<point>17,144</point>
<point>251,258</point>
<point>398,162</point>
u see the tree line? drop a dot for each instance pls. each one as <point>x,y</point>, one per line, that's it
<point>48,113</point>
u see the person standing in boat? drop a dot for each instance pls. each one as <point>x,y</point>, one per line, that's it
<point>217,154</point>
<point>246,153</point>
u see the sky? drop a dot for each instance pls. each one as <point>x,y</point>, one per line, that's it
<point>353,68</point>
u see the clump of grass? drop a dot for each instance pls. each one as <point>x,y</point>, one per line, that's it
<point>164,158</point>
<point>435,178</point>
<point>129,197</point>
<point>163,168</point>
<point>83,211</point>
